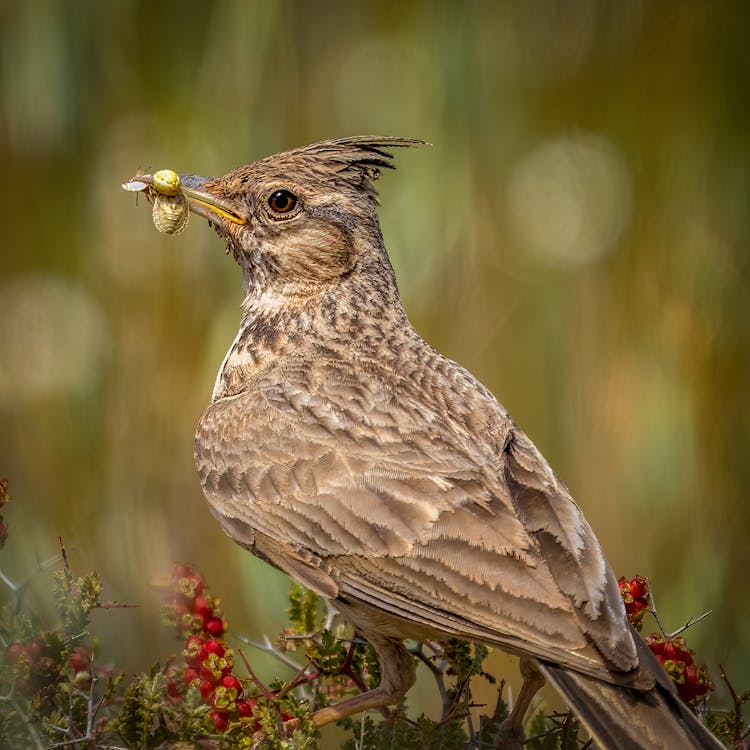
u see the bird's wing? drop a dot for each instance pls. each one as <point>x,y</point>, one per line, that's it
<point>445,516</point>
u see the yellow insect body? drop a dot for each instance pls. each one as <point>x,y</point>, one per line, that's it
<point>170,213</point>
<point>166,182</point>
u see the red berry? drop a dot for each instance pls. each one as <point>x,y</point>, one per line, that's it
<point>656,643</point>
<point>245,708</point>
<point>230,682</point>
<point>191,675</point>
<point>221,721</point>
<point>212,646</point>
<point>214,626</point>
<point>36,649</point>
<point>206,688</point>
<point>215,667</point>
<point>674,649</point>
<point>14,652</point>
<point>79,660</point>
<point>672,653</point>
<point>636,598</point>
<point>202,607</point>
<point>172,690</point>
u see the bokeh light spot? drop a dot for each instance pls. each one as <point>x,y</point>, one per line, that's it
<point>52,339</point>
<point>570,199</point>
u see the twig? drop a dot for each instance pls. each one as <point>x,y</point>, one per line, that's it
<point>692,621</point>
<point>542,735</point>
<point>263,689</point>
<point>268,648</point>
<point>652,609</point>
<point>16,588</point>
<point>64,554</point>
<point>470,728</point>
<point>91,715</point>
<point>347,671</point>
<point>737,735</point>
<point>115,605</point>
<point>301,678</point>
<point>565,730</point>
<point>559,727</point>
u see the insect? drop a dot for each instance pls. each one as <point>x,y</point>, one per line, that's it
<point>170,212</point>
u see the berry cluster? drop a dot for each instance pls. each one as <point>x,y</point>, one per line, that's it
<point>637,598</point>
<point>33,666</point>
<point>209,662</point>
<point>692,681</point>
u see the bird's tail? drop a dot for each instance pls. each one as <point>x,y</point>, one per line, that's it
<point>620,718</point>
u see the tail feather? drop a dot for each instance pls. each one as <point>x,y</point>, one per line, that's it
<point>620,718</point>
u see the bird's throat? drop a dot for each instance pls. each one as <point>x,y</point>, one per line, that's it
<point>276,328</point>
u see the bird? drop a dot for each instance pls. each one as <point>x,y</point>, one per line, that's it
<point>342,449</point>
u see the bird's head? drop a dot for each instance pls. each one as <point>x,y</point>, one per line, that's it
<point>301,218</point>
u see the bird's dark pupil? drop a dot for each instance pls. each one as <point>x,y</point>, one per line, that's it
<point>282,201</point>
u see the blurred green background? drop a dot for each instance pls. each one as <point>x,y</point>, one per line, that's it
<point>577,236</point>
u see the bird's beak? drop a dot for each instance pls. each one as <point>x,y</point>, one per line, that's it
<point>200,201</point>
<point>206,204</point>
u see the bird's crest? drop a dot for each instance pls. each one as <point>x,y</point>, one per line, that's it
<point>358,159</point>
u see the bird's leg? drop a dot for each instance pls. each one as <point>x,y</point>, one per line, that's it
<point>397,675</point>
<point>510,735</point>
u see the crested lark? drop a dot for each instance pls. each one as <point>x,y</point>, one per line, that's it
<point>342,449</point>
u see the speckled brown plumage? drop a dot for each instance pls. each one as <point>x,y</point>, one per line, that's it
<point>345,451</point>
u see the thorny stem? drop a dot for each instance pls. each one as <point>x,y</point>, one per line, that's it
<point>263,689</point>
<point>301,678</point>
<point>652,609</point>
<point>540,736</point>
<point>565,731</point>
<point>91,715</point>
<point>470,727</point>
<point>561,727</point>
<point>93,710</point>
<point>692,621</point>
<point>460,697</point>
<point>737,735</point>
<point>359,744</point>
<point>346,668</point>
<point>268,648</point>
<point>64,555</point>
<point>17,588</point>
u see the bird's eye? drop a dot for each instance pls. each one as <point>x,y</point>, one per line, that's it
<point>283,202</point>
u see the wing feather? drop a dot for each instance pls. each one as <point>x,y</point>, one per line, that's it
<point>443,517</point>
